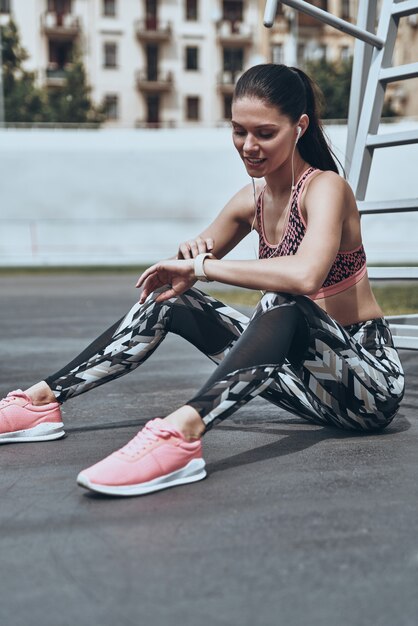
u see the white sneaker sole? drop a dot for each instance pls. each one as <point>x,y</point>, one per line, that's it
<point>47,431</point>
<point>190,473</point>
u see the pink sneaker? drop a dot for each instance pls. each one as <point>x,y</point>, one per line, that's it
<point>20,420</point>
<point>156,458</point>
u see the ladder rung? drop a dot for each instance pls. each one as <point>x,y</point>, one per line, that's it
<point>405,330</point>
<point>323,16</point>
<point>407,318</point>
<point>393,273</point>
<point>407,7</point>
<point>392,139</point>
<point>401,72</point>
<point>388,206</point>
<point>405,343</point>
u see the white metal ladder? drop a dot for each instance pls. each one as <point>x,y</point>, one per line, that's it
<point>372,72</point>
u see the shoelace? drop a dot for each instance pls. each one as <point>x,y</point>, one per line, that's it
<point>12,396</point>
<point>152,432</point>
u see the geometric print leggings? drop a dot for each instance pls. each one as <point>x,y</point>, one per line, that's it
<point>289,352</point>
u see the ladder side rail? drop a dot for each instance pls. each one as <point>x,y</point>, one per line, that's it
<point>362,56</point>
<point>373,102</point>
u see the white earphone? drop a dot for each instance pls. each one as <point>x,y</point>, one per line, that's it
<point>298,130</point>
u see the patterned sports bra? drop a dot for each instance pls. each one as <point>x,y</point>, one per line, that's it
<point>348,267</point>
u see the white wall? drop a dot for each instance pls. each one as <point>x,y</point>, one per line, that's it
<point>130,196</point>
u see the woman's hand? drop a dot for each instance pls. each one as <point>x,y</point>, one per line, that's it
<point>190,249</point>
<point>178,275</point>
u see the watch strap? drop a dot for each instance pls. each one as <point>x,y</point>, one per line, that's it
<point>199,270</point>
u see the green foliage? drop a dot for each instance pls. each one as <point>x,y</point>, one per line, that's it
<point>334,80</point>
<point>397,299</point>
<point>26,102</point>
<point>23,101</point>
<point>72,103</point>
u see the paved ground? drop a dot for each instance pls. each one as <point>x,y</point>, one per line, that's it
<point>295,525</point>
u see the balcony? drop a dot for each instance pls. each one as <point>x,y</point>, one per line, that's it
<point>56,76</point>
<point>226,81</point>
<point>60,25</point>
<point>154,82</point>
<point>155,125</point>
<point>234,33</point>
<point>153,30</point>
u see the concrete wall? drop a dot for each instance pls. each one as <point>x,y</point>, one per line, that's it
<point>130,196</point>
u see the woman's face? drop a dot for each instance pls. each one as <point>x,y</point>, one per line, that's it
<point>264,138</point>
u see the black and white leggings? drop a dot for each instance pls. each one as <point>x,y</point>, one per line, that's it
<point>290,352</point>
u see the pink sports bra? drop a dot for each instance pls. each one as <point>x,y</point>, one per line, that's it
<point>348,267</point>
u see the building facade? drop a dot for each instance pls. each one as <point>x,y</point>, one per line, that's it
<point>157,63</point>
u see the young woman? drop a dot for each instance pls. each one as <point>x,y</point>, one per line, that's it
<point>317,343</point>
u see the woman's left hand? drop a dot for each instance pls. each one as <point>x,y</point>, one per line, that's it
<point>178,275</point>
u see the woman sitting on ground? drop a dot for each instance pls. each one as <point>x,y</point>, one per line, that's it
<point>317,343</point>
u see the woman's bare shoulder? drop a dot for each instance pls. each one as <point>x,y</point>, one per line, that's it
<point>330,186</point>
<point>330,179</point>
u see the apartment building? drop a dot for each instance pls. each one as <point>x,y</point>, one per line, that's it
<point>158,63</point>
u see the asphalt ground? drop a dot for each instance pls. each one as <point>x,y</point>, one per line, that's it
<point>295,525</point>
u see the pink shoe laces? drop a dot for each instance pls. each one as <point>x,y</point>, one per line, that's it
<point>13,395</point>
<point>152,432</point>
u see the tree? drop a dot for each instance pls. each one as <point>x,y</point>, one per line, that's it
<point>23,101</point>
<point>334,80</point>
<point>72,103</point>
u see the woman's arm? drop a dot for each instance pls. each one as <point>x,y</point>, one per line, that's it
<point>231,225</point>
<point>303,273</point>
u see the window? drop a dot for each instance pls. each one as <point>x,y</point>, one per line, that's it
<point>277,53</point>
<point>345,9</point>
<point>4,6</point>
<point>301,54</point>
<point>60,54</point>
<point>311,51</point>
<point>233,60</point>
<point>345,53</point>
<point>232,10</point>
<point>321,52</point>
<point>153,110</point>
<point>110,55</point>
<point>151,18</point>
<point>111,107</point>
<point>109,8</point>
<point>152,52</point>
<point>192,58</point>
<point>191,10</point>
<point>192,108</point>
<point>227,107</point>
<point>59,6</point>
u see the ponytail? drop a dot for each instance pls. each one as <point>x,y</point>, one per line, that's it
<point>313,146</point>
